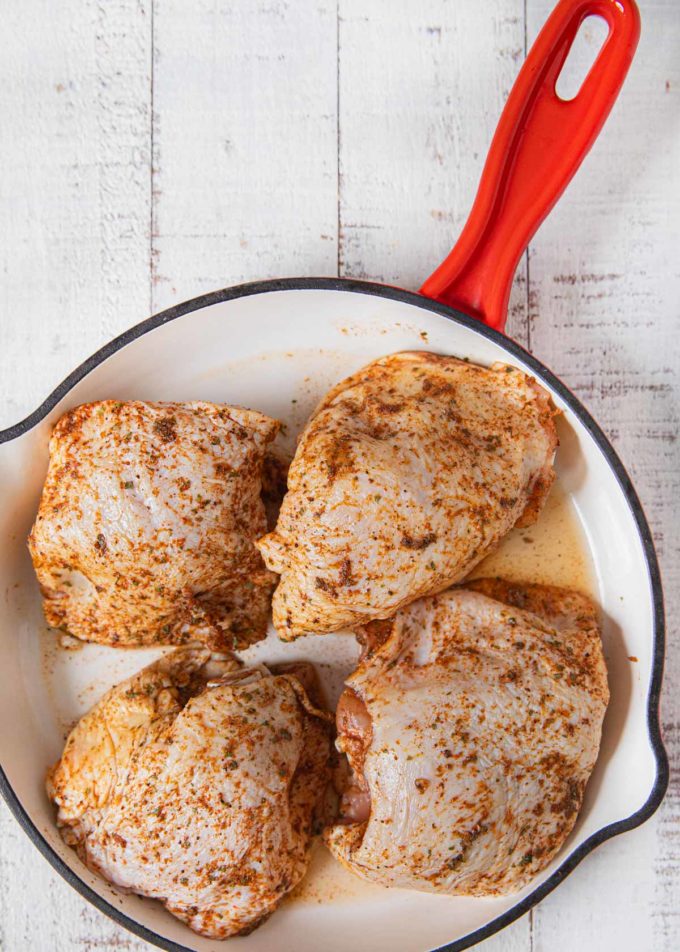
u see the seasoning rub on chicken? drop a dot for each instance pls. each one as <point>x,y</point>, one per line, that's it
<point>147,521</point>
<point>406,476</point>
<point>471,726</point>
<point>196,782</point>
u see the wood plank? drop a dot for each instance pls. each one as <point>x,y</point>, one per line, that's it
<point>604,291</point>
<point>245,133</point>
<point>74,95</point>
<point>74,259</point>
<point>421,89</point>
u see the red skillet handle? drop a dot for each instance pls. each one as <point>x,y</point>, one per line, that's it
<point>540,142</point>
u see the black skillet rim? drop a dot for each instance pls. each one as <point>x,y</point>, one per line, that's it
<point>407,297</point>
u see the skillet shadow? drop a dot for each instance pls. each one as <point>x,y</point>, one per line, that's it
<point>570,463</point>
<point>620,679</point>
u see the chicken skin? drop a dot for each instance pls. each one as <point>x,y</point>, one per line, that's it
<point>406,476</point>
<point>147,521</point>
<point>471,727</point>
<point>197,782</point>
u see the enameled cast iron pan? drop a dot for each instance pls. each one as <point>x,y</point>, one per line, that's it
<point>277,346</point>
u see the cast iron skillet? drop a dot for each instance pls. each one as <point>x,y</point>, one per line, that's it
<point>540,142</point>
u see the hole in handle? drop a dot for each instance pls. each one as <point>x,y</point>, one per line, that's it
<point>584,51</point>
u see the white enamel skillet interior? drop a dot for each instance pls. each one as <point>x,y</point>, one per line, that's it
<point>277,346</point>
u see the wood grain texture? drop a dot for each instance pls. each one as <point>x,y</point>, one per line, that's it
<point>158,149</point>
<point>74,265</point>
<point>245,133</point>
<point>604,297</point>
<point>411,146</point>
<point>74,187</point>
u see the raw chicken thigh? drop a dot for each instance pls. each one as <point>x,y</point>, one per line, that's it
<point>196,782</point>
<point>471,727</point>
<point>406,476</point>
<point>147,521</point>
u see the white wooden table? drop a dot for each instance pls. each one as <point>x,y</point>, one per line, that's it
<point>155,149</point>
